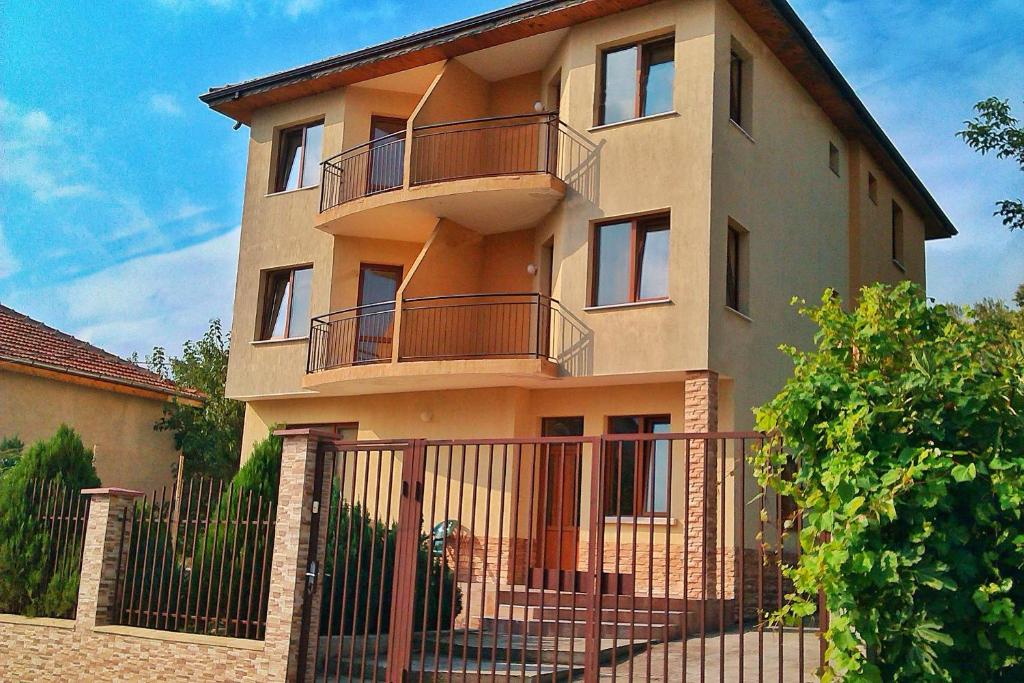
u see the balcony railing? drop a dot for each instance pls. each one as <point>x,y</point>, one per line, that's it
<point>459,326</point>
<point>476,148</point>
<point>360,335</point>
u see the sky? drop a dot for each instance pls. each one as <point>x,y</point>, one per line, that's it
<point>120,192</point>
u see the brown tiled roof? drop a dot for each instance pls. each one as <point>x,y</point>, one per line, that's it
<point>29,342</point>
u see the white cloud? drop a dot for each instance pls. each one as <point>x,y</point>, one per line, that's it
<point>35,156</point>
<point>290,8</point>
<point>8,264</point>
<point>165,104</point>
<point>158,299</point>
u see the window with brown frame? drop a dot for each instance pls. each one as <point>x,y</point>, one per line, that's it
<point>833,158</point>
<point>636,80</point>
<point>286,295</point>
<point>637,472</point>
<point>897,234</point>
<point>735,270</point>
<point>872,187</point>
<point>736,87</point>
<point>630,260</point>
<point>298,156</point>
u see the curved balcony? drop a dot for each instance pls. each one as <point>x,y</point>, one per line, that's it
<point>461,340</point>
<point>492,174</point>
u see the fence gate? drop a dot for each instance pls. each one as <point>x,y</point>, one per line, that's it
<point>636,556</point>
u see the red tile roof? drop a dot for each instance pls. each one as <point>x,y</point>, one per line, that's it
<point>29,342</point>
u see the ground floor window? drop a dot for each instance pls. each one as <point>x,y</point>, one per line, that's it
<point>636,472</point>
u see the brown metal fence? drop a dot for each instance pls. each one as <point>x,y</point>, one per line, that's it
<point>63,514</point>
<point>199,562</point>
<point>636,556</point>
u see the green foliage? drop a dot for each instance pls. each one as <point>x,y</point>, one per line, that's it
<point>905,443</point>
<point>10,451</point>
<point>994,129</point>
<point>357,588</point>
<point>210,437</point>
<point>33,580</point>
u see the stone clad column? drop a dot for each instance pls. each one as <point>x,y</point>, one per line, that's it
<point>700,416</point>
<point>101,555</point>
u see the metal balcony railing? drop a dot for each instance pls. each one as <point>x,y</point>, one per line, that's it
<point>450,327</point>
<point>474,148</point>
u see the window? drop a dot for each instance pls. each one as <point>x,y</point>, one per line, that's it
<point>298,157</point>
<point>833,158</point>
<point>872,188</point>
<point>897,234</point>
<point>345,431</point>
<point>740,87</point>
<point>637,80</point>
<point>286,303</point>
<point>736,270</point>
<point>631,261</point>
<point>637,472</point>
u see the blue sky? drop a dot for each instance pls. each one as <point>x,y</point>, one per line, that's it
<point>120,193</point>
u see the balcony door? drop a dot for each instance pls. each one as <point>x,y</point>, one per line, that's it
<point>375,329</point>
<point>386,159</point>
<point>558,500</point>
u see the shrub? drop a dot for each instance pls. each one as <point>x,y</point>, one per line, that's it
<point>357,594</point>
<point>33,580</point>
<point>10,451</point>
<point>904,440</point>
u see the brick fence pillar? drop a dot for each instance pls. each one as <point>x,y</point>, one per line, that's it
<point>101,555</point>
<point>700,416</point>
<point>291,561</point>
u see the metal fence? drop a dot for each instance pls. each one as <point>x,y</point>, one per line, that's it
<point>631,556</point>
<point>62,513</point>
<point>197,562</point>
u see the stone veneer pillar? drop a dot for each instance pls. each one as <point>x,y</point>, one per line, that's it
<point>101,555</point>
<point>700,416</point>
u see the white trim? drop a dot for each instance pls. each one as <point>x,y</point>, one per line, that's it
<point>899,264</point>
<point>293,190</point>
<point>742,130</point>
<point>627,304</point>
<point>279,340</point>
<point>626,122</point>
<point>741,314</point>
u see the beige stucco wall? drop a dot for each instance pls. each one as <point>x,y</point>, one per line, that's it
<point>119,427</point>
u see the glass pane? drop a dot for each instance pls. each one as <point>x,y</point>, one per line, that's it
<point>621,472</point>
<point>732,292</point>
<point>314,149</point>
<point>298,325</point>
<point>613,255</point>
<point>375,326</point>
<point>657,470</point>
<point>658,79</point>
<point>277,293</point>
<point>736,88</point>
<point>288,161</point>
<point>619,95</point>
<point>562,426</point>
<point>653,280</point>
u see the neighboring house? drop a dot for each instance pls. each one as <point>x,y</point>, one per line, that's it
<point>48,377</point>
<point>560,218</point>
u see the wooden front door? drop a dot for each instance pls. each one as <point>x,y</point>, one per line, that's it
<point>558,499</point>
<point>375,326</point>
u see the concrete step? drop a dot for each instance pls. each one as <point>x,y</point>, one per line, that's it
<point>622,615</point>
<point>517,648</point>
<point>577,629</point>
<point>454,670</point>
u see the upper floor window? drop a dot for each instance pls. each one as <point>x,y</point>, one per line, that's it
<point>740,87</point>
<point>637,471</point>
<point>833,158</point>
<point>897,234</point>
<point>298,157</point>
<point>872,187</point>
<point>286,296</point>
<point>630,260</point>
<point>736,269</point>
<point>637,80</point>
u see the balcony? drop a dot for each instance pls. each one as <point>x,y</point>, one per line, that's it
<point>460,340</point>
<point>492,175</point>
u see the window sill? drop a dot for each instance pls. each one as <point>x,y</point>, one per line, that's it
<point>628,304</point>
<point>282,340</point>
<point>739,314</point>
<point>297,189</point>
<point>743,131</point>
<point>652,521</point>
<point>626,122</point>
<point>899,264</point>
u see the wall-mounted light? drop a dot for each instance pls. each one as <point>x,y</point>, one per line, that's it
<point>531,269</point>
<point>426,416</point>
<point>538,106</point>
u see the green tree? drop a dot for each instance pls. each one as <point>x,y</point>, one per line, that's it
<point>904,441</point>
<point>10,451</point>
<point>994,129</point>
<point>33,579</point>
<point>209,437</point>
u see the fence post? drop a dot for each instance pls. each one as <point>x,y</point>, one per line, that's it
<point>101,555</point>
<point>291,557</point>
